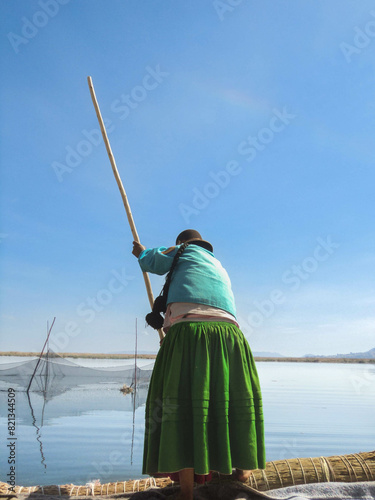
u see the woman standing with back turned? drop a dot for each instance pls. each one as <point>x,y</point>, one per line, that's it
<point>204,408</point>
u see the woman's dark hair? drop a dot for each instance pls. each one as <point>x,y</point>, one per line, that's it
<point>154,318</point>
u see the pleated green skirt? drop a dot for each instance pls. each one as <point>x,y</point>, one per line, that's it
<point>204,405</point>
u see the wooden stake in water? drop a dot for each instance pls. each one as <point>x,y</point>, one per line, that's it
<point>41,354</point>
<point>134,394</point>
<point>135,357</point>
<point>121,188</point>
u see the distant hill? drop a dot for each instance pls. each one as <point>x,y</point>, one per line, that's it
<point>265,354</point>
<point>353,355</point>
<point>132,352</point>
<point>260,354</point>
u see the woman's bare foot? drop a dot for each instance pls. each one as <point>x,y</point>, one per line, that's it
<point>186,485</point>
<point>242,475</point>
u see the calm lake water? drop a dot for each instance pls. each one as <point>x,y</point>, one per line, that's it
<point>93,431</point>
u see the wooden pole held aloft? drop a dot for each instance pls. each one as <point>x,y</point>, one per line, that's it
<point>121,188</point>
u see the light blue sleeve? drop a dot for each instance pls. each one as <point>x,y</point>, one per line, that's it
<point>157,260</point>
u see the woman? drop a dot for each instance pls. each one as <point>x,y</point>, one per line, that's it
<point>204,407</point>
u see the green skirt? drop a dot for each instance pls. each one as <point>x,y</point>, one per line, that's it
<point>204,405</point>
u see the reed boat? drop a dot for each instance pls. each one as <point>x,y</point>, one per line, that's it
<point>356,467</point>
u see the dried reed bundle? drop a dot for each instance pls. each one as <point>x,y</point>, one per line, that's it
<point>278,474</point>
<point>339,468</point>
<point>90,488</point>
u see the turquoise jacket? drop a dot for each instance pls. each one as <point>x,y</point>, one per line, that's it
<point>198,277</point>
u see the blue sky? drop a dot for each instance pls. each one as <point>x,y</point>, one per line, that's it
<point>250,121</point>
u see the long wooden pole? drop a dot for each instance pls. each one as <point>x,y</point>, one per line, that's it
<point>121,188</point>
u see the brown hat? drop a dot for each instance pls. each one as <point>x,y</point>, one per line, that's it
<point>192,236</point>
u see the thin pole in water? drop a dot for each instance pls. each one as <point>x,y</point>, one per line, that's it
<point>135,357</point>
<point>41,354</point>
<point>134,395</point>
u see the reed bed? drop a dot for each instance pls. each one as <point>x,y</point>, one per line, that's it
<point>278,474</point>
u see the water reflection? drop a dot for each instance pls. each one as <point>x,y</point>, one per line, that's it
<point>93,431</point>
<point>133,429</point>
<point>82,413</point>
<point>38,429</point>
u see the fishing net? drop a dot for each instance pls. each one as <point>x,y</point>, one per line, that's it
<point>55,374</point>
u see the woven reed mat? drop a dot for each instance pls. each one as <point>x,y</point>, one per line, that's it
<point>357,467</point>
